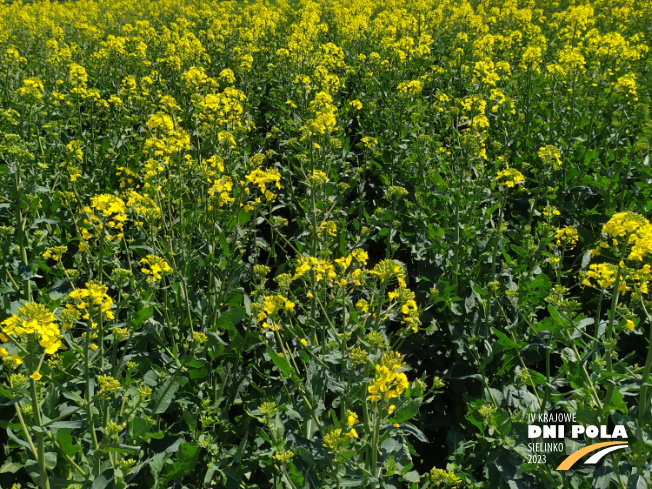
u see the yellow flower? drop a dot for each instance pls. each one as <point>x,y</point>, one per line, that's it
<point>388,381</point>
<point>630,325</point>
<point>603,276</point>
<point>304,342</point>
<point>108,383</point>
<point>509,177</point>
<point>157,267</point>
<point>356,104</point>
<point>551,156</point>
<point>329,228</point>
<point>34,318</point>
<point>55,252</point>
<point>351,418</point>
<point>387,270</point>
<point>262,178</point>
<point>360,255</point>
<point>362,306</point>
<point>352,433</point>
<point>36,376</point>
<point>91,298</point>
<point>413,87</point>
<point>567,236</point>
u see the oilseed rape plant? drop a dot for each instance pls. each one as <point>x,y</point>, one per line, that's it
<point>323,244</point>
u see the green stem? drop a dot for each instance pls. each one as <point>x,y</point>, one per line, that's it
<point>644,401</point>
<point>40,442</point>
<point>21,221</point>
<point>610,332</point>
<point>494,255</point>
<point>374,443</point>
<point>391,231</point>
<point>89,398</point>
<point>25,430</point>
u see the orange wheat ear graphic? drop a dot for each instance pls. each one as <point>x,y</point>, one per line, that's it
<point>575,456</point>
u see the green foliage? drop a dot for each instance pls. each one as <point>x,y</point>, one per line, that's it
<point>347,244</point>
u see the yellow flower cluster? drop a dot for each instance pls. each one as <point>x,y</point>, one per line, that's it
<point>405,298</point>
<point>509,177</point>
<point>93,298</point>
<point>157,267</point>
<point>635,229</point>
<point>34,319</point>
<point>166,138</point>
<point>388,381</point>
<point>143,206</point>
<point>474,111</point>
<point>77,75</point>
<point>351,418</point>
<point>443,478</point>
<point>271,305</point>
<point>262,178</point>
<point>108,384</point>
<point>550,156</point>
<point>105,212</point>
<point>336,439</point>
<point>32,91</point>
<point>220,191</point>
<point>195,78</point>
<point>283,457</point>
<point>328,228</point>
<point>485,71</point>
<point>567,236</point>
<point>412,87</point>
<point>222,109</point>
<point>356,104</point>
<point>324,118</point>
<point>387,270</point>
<point>603,276</point>
<point>322,269</point>
<point>627,85</point>
<point>56,252</point>
<point>357,274</point>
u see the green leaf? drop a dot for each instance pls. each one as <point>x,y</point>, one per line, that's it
<point>64,439</point>
<point>164,395</point>
<point>505,341</point>
<point>50,460</point>
<point>156,465</point>
<point>413,430</point>
<point>282,364</point>
<point>295,475</point>
<point>405,413</point>
<point>186,461</point>
<point>17,440</point>
<point>139,427</point>
<point>554,314</point>
<point>199,372</point>
<point>412,476</point>
<point>142,316</point>
<point>189,419</point>
<point>10,467</point>
<point>65,424</point>
<point>122,449</point>
<point>391,445</point>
